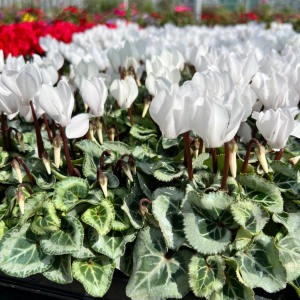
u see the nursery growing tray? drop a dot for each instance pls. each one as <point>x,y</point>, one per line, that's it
<point>38,284</point>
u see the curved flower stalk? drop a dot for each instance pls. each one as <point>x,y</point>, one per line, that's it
<point>125,92</point>
<point>94,94</point>
<point>275,126</point>
<point>274,91</point>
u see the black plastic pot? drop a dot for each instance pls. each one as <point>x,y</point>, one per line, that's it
<point>38,284</point>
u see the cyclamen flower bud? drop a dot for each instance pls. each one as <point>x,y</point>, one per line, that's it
<point>233,149</point>
<point>126,170</point>
<point>46,161</point>
<point>19,137</point>
<point>294,160</point>
<point>112,133</point>
<point>260,152</point>
<point>21,200</point>
<point>195,145</point>
<point>146,107</point>
<point>102,180</point>
<point>132,165</point>
<point>99,131</point>
<point>143,210</point>
<point>16,167</point>
<point>57,143</point>
<point>91,132</point>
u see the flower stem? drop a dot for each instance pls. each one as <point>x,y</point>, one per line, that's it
<point>245,164</point>
<point>9,147</point>
<point>226,167</point>
<point>279,154</point>
<point>117,131</point>
<point>104,153</point>
<point>67,154</point>
<point>186,137</point>
<point>26,187</point>
<point>72,150</point>
<point>53,128</point>
<point>130,116</point>
<point>37,132</point>
<point>77,173</point>
<point>214,160</point>
<point>21,161</point>
<point>105,127</point>
<point>3,127</point>
<point>201,146</point>
<point>141,209</point>
<point>48,129</point>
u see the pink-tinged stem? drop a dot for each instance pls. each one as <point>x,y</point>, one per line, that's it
<point>3,129</point>
<point>39,139</point>
<point>186,137</point>
<point>245,164</point>
<point>21,161</point>
<point>26,187</point>
<point>226,167</point>
<point>48,129</point>
<point>130,116</point>
<point>279,154</point>
<point>67,154</point>
<point>214,160</point>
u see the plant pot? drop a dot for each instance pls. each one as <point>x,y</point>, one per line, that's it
<point>41,285</point>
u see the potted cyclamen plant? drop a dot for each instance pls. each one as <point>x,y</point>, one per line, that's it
<point>177,197</point>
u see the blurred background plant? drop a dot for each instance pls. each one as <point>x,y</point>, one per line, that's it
<point>155,12</point>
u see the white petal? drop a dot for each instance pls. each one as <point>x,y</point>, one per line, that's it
<point>78,127</point>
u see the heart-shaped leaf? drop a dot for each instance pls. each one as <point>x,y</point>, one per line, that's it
<point>95,274</point>
<point>262,191</point>
<point>250,215</point>
<point>199,183</point>
<point>233,288</point>
<point>242,240</point>
<point>113,244</point>
<point>21,254</point>
<point>85,251</point>
<point>45,219</point>
<point>117,148</point>
<point>121,221</point>
<point>148,184</point>
<point>291,221</point>
<point>67,240</point>
<point>207,221</point>
<point>68,193</point>
<point>206,276</point>
<point>32,205</point>
<point>100,217</point>
<point>260,265</point>
<point>125,262</point>
<point>60,272</point>
<point>286,177</point>
<point>131,207</point>
<point>142,133</point>
<point>166,210</point>
<point>198,163</point>
<point>165,277</point>
<point>289,253</point>
<point>167,171</point>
